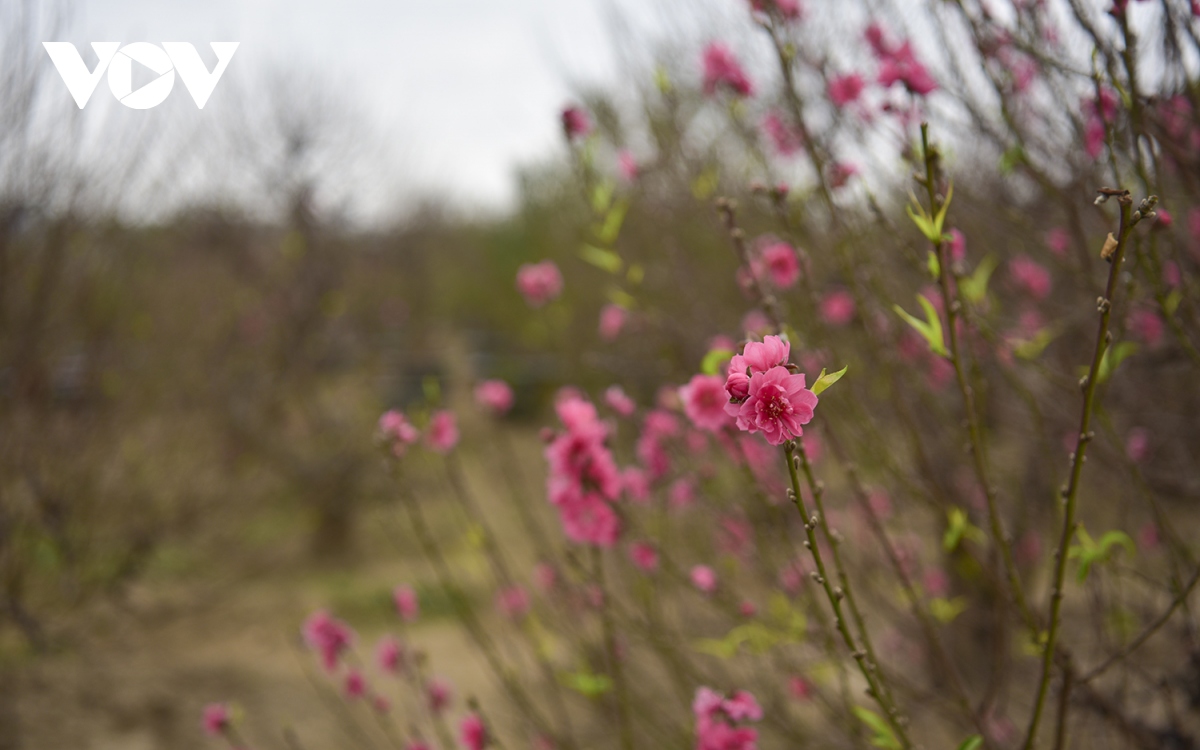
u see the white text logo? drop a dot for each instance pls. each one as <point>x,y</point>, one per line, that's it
<point>164,61</point>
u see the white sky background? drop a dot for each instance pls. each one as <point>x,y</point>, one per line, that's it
<point>457,93</point>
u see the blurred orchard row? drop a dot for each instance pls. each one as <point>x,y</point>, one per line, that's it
<point>834,385</point>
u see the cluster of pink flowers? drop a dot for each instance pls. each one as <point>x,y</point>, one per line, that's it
<point>495,396</point>
<point>1030,277</point>
<point>443,431</point>
<point>720,721</point>
<point>657,428</point>
<point>846,89</point>
<point>328,636</point>
<point>473,732</point>
<point>583,481</point>
<point>765,395</point>
<point>776,261</point>
<point>723,71</point>
<point>786,139</point>
<point>397,432</point>
<point>899,64</point>
<point>539,283</point>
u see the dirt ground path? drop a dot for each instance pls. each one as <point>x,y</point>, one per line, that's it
<point>139,675</point>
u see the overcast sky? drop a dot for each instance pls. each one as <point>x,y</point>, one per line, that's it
<point>462,91</point>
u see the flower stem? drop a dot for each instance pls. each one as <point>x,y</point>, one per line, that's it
<point>1070,492</point>
<point>864,657</point>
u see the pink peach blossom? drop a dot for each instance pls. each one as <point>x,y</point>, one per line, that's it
<point>644,555</point>
<point>778,405</point>
<point>473,732</point>
<point>575,122</point>
<point>619,401</point>
<point>539,283</point>
<point>704,400</point>
<point>397,431</point>
<point>407,606</point>
<point>723,71</point>
<point>845,89</point>
<point>443,431</point>
<point>389,654</point>
<point>1030,276</point>
<point>704,578</point>
<point>837,308</point>
<point>495,396</point>
<point>215,719</point>
<point>612,320</point>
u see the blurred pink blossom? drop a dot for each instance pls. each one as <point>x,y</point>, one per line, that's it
<point>473,732</point>
<point>1137,444</point>
<point>645,556</point>
<point>722,70</point>
<point>627,165</point>
<point>612,320</point>
<point>495,396</point>
<point>443,431</point>
<point>1030,276</point>
<point>575,122</point>
<point>512,602</point>
<point>1147,326</point>
<point>389,654</point>
<point>704,578</point>
<point>786,139</point>
<point>845,89</point>
<point>539,283</point>
<point>1059,241</point>
<point>619,401</point>
<point>704,400</point>
<point>215,719</point>
<point>356,685</point>
<point>438,694</point>
<point>837,308</point>
<point>406,603</point>
<point>397,431</point>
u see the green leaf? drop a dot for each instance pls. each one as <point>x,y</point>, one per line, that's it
<point>636,274</point>
<point>1090,552</point>
<point>945,610</point>
<point>958,527</point>
<point>974,742</point>
<point>706,184</point>
<point>605,260</point>
<point>884,736</point>
<point>711,364</point>
<point>721,648</point>
<point>940,220</point>
<point>931,263</point>
<point>588,684</point>
<point>662,81</point>
<point>824,381</point>
<point>622,298</point>
<point>608,232</point>
<point>1011,158</point>
<point>1033,348</point>
<point>923,221</point>
<point>930,328</point>
<point>602,196</point>
<point>1112,359</point>
<point>974,287</point>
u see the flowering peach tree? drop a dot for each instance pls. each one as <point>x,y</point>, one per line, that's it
<point>864,513</point>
